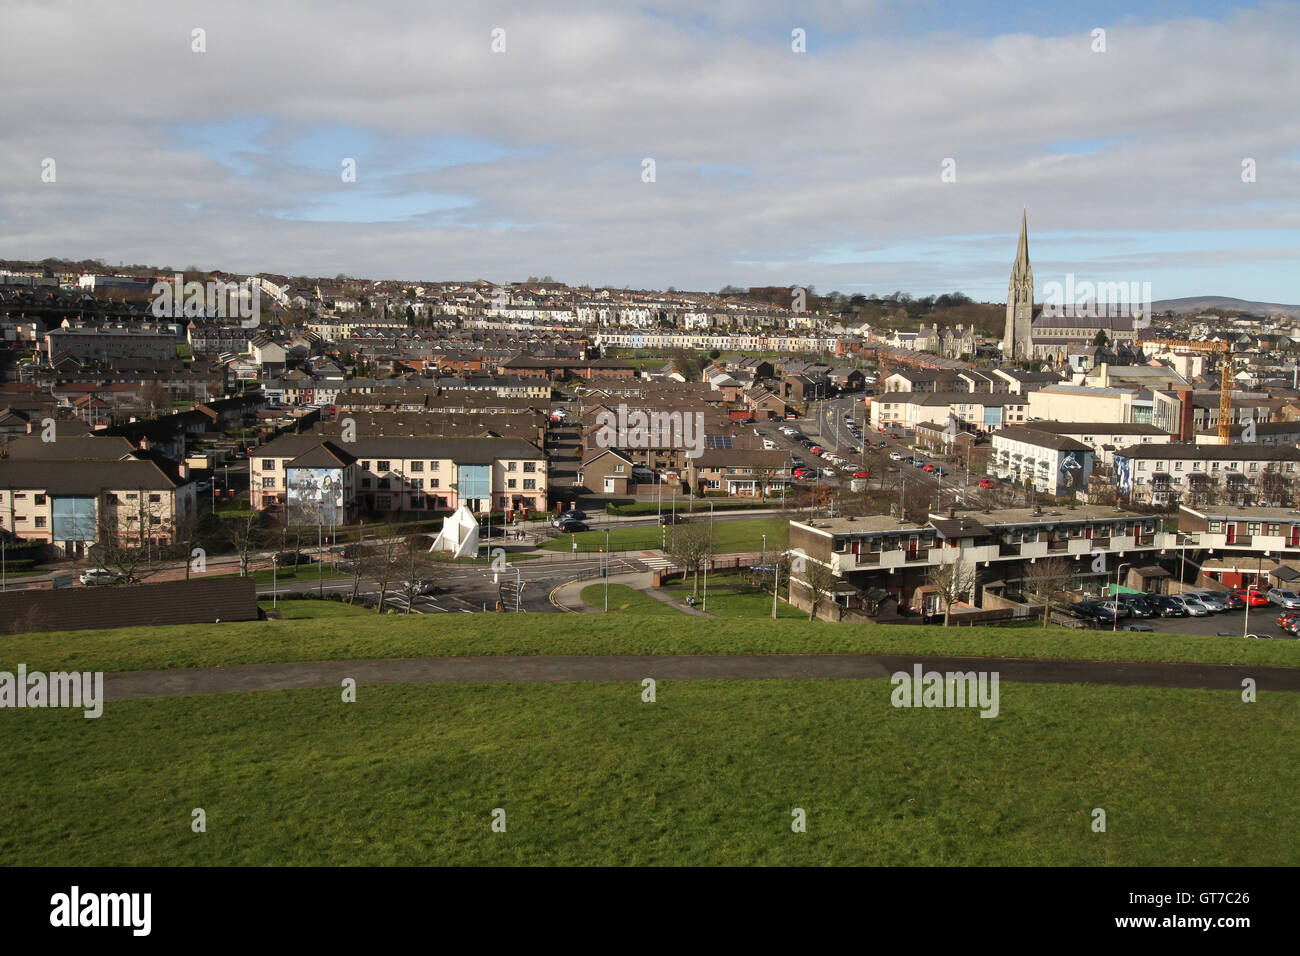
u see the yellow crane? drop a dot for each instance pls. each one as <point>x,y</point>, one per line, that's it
<point>1225,375</point>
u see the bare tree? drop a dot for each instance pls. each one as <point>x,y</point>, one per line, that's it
<point>952,581</point>
<point>816,578</point>
<point>690,546</point>
<point>383,562</point>
<point>1047,579</point>
<point>245,534</point>
<point>417,566</point>
<point>133,534</point>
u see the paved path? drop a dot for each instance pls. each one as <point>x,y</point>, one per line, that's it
<point>183,682</point>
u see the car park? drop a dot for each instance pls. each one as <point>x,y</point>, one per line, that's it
<point>1136,604</point>
<point>1283,597</point>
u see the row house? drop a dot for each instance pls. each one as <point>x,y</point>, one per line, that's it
<point>879,556</point>
<point>390,474</point>
<point>1242,547</point>
<point>1182,472</point>
<point>1104,438</point>
<point>1055,464</point>
<point>74,504</point>
<point>973,411</point>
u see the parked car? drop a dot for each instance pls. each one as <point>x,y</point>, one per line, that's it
<point>1253,596</point>
<point>574,513</point>
<point>99,576</point>
<point>1236,601</point>
<point>204,486</point>
<point>1136,604</point>
<point>1194,607</point>
<point>895,456</point>
<point>917,462</point>
<point>986,482</point>
<point>1166,606</point>
<point>1138,627</point>
<point>882,444</point>
<point>1283,597</point>
<point>927,467</point>
<point>1211,599</point>
<point>862,473</point>
<point>670,518</point>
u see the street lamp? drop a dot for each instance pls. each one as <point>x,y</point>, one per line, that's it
<point>1114,598</point>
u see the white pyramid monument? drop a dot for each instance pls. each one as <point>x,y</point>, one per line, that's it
<point>459,534</point>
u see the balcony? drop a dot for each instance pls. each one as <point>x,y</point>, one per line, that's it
<point>1008,550</point>
<point>920,554</point>
<point>868,557</point>
<point>1099,541</point>
<point>1238,541</point>
<point>1058,546</point>
<point>1144,540</point>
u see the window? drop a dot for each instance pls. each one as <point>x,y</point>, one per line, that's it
<point>268,464</point>
<point>154,499</point>
<point>530,467</point>
<point>1254,466</point>
<point>384,466</point>
<point>365,482</point>
<point>433,482</point>
<point>1216,527</point>
<point>1142,466</point>
<point>510,483</point>
<point>1196,466</point>
<point>417,466</point>
<point>383,502</point>
<point>268,482</point>
<point>40,521</point>
<point>385,484</point>
<point>112,498</point>
<point>510,466</point>
<point>417,484</point>
<point>530,484</point>
<point>1252,527</point>
<point>618,469</point>
<point>40,499</point>
<point>1178,466</point>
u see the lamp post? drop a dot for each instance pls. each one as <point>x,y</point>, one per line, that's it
<point>1259,573</point>
<point>1114,598</point>
<point>275,564</point>
<point>606,570</point>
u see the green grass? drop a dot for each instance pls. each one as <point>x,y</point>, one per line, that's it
<point>298,609</point>
<point>708,774</point>
<point>626,600</point>
<point>304,572</point>
<point>732,601</point>
<point>447,635</point>
<point>743,535</point>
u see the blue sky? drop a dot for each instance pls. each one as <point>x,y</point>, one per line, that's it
<point>771,166</point>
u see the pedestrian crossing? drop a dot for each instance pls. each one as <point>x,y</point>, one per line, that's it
<point>658,564</point>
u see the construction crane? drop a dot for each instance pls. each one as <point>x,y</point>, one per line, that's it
<point>1225,375</point>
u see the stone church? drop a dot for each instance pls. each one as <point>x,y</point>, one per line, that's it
<point>1031,335</point>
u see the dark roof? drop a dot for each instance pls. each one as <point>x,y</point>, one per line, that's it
<point>69,448</point>
<point>1187,451</point>
<point>959,527</point>
<point>1100,428</point>
<point>1044,439</point>
<point>459,449</point>
<point>198,601</point>
<point>77,478</point>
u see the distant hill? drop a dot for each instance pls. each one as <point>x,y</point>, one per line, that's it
<point>1201,303</point>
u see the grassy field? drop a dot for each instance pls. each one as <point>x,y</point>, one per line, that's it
<point>627,600</point>
<point>313,610</point>
<point>210,645</point>
<point>709,774</point>
<point>742,535</point>
<point>731,601</point>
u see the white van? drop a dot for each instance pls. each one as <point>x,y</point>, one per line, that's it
<point>768,444</point>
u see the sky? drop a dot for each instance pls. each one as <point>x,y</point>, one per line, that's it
<point>895,152</point>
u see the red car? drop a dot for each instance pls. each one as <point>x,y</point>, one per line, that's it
<point>893,434</point>
<point>927,467</point>
<point>986,482</point>
<point>1253,597</point>
<point>802,472</point>
<point>862,474</point>
<point>816,449</point>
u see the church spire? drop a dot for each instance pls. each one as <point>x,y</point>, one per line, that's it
<point>1022,250</point>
